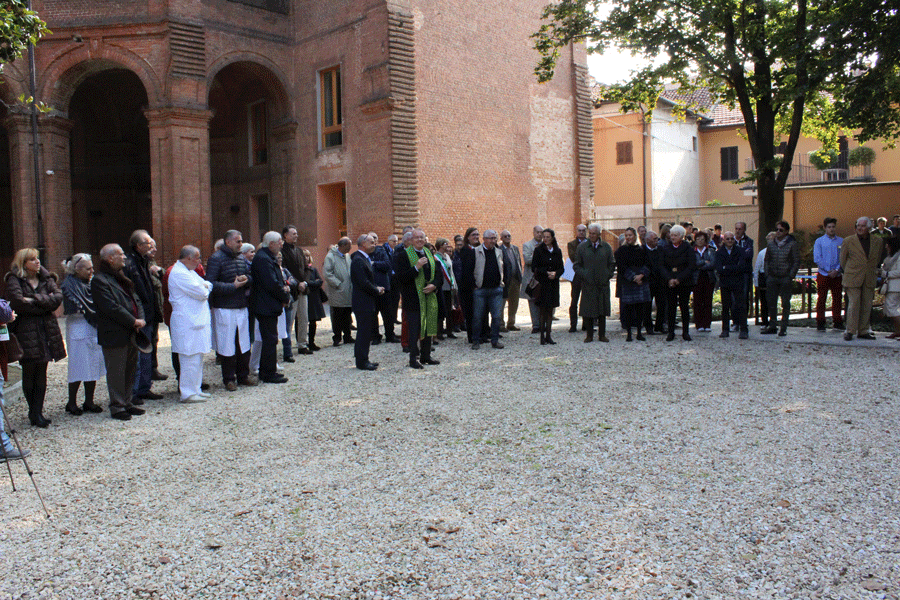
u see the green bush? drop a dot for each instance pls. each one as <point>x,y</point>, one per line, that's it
<point>861,157</point>
<point>823,159</point>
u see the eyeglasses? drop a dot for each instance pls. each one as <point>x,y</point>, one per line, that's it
<point>780,229</point>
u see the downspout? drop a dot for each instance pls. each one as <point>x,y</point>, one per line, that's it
<point>644,162</point>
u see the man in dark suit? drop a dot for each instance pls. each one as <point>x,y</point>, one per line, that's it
<point>419,280</point>
<point>119,315</point>
<point>137,269</point>
<point>365,293</point>
<point>571,248</point>
<point>382,266</point>
<point>268,299</point>
<point>745,243</point>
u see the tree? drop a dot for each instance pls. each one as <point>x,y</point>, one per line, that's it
<point>792,66</point>
<point>19,26</point>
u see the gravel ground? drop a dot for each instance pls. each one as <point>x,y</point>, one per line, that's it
<point>715,469</point>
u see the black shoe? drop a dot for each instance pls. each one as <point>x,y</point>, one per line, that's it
<point>204,387</point>
<point>313,347</point>
<point>336,343</point>
<point>73,409</point>
<point>150,396</point>
<point>289,359</point>
<point>573,329</point>
<point>376,341</point>
<point>724,334</point>
<point>640,337</point>
<point>497,345</point>
<point>430,361</point>
<point>121,416</point>
<point>157,376</point>
<point>782,332</point>
<point>821,327</point>
<point>535,330</point>
<point>406,349</point>
<point>276,379</point>
<point>840,326</point>
<point>450,336</point>
<point>137,401</point>
<point>670,337</point>
<point>367,367</point>
<point>349,340</point>
<point>304,351</point>
<point>550,341</point>
<point>769,330</point>
<point>866,336</point>
<point>392,340</point>
<point>135,411</point>
<point>628,338</point>
<point>476,345</point>
<point>686,337</point>
<point>90,407</point>
<point>743,335</point>
<point>39,421</point>
<point>415,364</point>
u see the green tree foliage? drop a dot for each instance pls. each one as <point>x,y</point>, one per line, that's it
<point>792,66</point>
<point>18,27</point>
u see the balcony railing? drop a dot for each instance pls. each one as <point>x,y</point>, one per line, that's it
<point>803,173</point>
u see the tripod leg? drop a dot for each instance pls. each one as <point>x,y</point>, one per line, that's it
<point>15,440</point>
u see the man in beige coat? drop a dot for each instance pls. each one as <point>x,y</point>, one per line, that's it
<point>860,257</point>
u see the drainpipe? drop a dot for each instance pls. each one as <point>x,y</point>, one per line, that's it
<point>644,162</point>
<point>32,83</point>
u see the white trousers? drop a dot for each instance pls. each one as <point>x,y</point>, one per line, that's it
<point>191,377</point>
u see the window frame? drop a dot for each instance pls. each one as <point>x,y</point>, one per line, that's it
<point>253,147</point>
<point>337,126</point>
<point>623,157</point>
<point>728,164</point>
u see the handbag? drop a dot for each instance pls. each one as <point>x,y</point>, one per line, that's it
<point>533,289</point>
<point>13,348</point>
<point>456,316</point>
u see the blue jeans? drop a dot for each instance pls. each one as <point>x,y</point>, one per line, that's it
<point>4,439</point>
<point>143,379</point>
<point>487,300</point>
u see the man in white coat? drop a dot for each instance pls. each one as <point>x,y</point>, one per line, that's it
<point>190,327</point>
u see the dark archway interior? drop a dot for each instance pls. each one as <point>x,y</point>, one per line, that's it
<point>244,168</point>
<point>110,159</point>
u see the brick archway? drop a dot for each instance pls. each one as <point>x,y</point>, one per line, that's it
<point>252,151</point>
<point>68,70</point>
<point>263,69</point>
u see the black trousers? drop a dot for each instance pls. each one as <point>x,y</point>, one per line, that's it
<point>734,307</point>
<point>340,323</point>
<point>659,294</point>
<point>573,307</point>
<point>383,305</point>
<point>365,328</point>
<point>423,348</point>
<point>34,386</point>
<point>679,296</point>
<point>268,358</point>
<point>236,367</point>
<point>466,303</point>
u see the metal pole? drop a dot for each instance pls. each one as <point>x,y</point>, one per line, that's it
<point>35,147</point>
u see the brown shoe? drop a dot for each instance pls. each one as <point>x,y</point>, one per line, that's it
<point>231,386</point>
<point>603,339</point>
<point>589,338</point>
<point>249,381</point>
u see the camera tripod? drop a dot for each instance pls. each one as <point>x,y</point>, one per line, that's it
<point>12,435</point>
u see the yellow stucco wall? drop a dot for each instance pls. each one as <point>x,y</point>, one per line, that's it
<point>617,187</point>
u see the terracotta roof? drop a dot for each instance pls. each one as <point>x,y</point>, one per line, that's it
<point>702,102</point>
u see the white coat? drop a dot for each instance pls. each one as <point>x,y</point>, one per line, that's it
<point>190,327</point>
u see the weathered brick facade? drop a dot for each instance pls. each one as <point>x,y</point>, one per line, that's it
<point>444,124</point>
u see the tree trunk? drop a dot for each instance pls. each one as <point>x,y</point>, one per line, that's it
<point>771,206</point>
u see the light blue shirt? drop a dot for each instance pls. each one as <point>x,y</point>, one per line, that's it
<point>827,254</point>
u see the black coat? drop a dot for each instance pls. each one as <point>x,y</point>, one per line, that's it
<point>732,268</point>
<point>362,276</point>
<point>35,326</point>
<point>678,263</point>
<point>382,265</point>
<point>406,275</point>
<point>542,262</point>
<point>221,269</point>
<point>314,305</point>
<point>466,280</point>
<point>117,308</point>
<point>654,260</point>
<point>137,269</point>
<point>268,296</point>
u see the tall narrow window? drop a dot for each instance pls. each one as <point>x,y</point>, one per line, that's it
<point>330,102</point>
<point>259,153</point>
<point>729,163</point>
<point>623,153</point>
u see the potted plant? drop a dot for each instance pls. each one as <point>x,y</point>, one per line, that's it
<point>823,159</point>
<point>863,156</point>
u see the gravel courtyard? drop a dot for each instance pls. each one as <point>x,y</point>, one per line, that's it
<point>712,469</point>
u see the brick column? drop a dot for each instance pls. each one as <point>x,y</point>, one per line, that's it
<point>56,188</point>
<point>284,203</point>
<point>179,176</point>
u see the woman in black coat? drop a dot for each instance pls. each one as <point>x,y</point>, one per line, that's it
<point>547,264</point>
<point>32,292</point>
<point>676,270</point>
<point>633,282</point>
<point>314,302</point>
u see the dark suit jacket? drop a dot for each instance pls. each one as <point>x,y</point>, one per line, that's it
<point>467,272</point>
<point>678,263</point>
<point>406,275</point>
<point>362,277</point>
<point>732,268</point>
<point>115,310</point>
<point>654,260</point>
<point>268,297</point>
<point>382,265</point>
<point>137,269</point>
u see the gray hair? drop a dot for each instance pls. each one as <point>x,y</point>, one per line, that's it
<point>344,242</point>
<point>73,262</point>
<point>188,252</point>
<point>868,221</point>
<point>677,230</point>
<point>650,235</point>
<point>362,239</point>
<point>490,233</point>
<point>407,236</point>
<point>270,238</point>
<point>137,236</point>
<point>108,250</point>
<point>595,227</point>
<point>219,243</point>
<point>231,234</point>
<point>392,237</point>
<point>245,248</point>
<point>374,236</point>
<point>537,228</point>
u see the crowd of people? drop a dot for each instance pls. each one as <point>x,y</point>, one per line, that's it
<point>247,301</point>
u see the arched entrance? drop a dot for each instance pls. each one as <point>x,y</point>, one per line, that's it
<point>110,159</point>
<point>249,150</point>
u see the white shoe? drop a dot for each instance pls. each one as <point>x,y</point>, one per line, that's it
<point>204,395</point>
<point>195,399</point>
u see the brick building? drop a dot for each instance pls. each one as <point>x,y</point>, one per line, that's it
<point>189,118</point>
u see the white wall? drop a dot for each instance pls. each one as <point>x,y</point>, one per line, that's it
<point>675,166</point>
